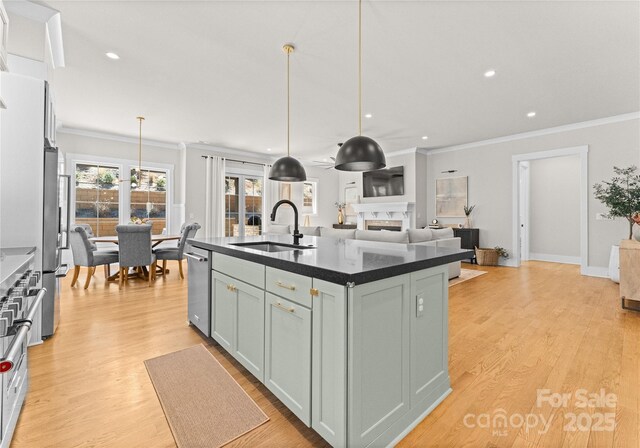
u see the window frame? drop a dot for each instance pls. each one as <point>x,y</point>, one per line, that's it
<point>241,173</point>
<point>124,192</point>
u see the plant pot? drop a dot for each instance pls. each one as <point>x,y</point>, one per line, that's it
<point>614,264</point>
<point>467,223</point>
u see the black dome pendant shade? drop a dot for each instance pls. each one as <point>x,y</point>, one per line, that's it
<point>360,154</point>
<point>288,169</point>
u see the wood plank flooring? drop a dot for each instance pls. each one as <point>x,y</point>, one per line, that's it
<point>512,332</point>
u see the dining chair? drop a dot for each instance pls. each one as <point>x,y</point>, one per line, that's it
<point>177,253</point>
<point>134,241</point>
<point>85,254</point>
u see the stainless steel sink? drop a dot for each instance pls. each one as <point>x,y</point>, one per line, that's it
<point>269,246</point>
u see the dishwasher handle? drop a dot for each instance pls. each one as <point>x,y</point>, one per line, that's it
<point>195,257</point>
<point>8,360</point>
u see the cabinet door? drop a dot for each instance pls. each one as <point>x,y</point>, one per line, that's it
<point>429,359</point>
<point>287,370</point>
<point>223,310</point>
<point>378,368</point>
<point>329,364</point>
<point>249,329</point>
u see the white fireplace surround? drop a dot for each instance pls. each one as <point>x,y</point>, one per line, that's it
<point>381,211</point>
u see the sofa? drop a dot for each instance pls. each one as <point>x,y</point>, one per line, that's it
<point>424,237</point>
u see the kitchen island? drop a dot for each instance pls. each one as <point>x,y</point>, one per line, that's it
<point>350,335</point>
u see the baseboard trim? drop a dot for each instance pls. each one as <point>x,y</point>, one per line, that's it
<point>595,271</point>
<point>551,258</point>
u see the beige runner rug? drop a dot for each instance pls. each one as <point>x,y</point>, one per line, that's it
<point>466,274</point>
<point>204,405</point>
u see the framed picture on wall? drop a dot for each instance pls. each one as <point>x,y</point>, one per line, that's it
<point>285,190</point>
<point>451,197</point>
<point>350,198</point>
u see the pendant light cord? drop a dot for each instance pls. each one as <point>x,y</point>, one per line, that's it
<point>288,106</point>
<point>360,67</point>
<point>140,149</point>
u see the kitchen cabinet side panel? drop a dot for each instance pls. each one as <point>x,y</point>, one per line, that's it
<point>379,350</point>
<point>329,363</point>
<point>429,354</point>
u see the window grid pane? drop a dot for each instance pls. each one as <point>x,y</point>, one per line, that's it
<point>97,197</point>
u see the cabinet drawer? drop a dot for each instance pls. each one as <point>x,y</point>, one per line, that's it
<point>294,287</point>
<point>247,271</point>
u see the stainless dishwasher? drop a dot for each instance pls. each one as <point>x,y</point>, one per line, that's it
<point>199,304</point>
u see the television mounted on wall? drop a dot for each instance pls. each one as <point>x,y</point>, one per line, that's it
<point>385,182</point>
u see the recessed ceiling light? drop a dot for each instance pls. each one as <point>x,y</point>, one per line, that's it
<point>269,149</point>
<point>489,73</point>
<point>368,116</point>
<point>531,114</point>
<point>424,137</point>
<point>111,55</point>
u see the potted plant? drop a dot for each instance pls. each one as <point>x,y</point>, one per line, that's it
<point>621,195</point>
<point>467,211</point>
<point>160,183</point>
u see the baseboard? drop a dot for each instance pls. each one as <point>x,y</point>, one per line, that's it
<point>551,258</point>
<point>595,271</point>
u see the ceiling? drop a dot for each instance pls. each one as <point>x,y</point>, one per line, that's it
<point>214,71</point>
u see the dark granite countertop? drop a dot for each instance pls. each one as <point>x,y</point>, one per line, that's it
<point>338,261</point>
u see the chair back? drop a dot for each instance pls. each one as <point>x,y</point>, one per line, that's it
<point>81,248</point>
<point>87,228</point>
<point>186,231</point>
<point>134,241</point>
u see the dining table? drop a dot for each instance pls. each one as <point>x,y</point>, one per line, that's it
<point>140,271</point>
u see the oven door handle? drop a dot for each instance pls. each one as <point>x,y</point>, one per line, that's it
<point>8,360</point>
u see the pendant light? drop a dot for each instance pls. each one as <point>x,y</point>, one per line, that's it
<point>360,153</point>
<point>288,169</point>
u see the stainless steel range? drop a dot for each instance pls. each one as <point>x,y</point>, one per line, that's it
<point>20,301</point>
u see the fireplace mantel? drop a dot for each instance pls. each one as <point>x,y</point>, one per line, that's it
<point>397,211</point>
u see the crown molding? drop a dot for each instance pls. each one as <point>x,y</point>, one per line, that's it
<point>118,138</point>
<point>413,150</point>
<point>176,146</point>
<point>538,133</point>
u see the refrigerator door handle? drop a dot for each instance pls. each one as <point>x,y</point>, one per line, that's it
<point>66,240</point>
<point>62,274</point>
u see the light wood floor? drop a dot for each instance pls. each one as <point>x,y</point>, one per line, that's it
<point>512,331</point>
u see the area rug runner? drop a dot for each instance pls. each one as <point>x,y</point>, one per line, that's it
<point>204,405</point>
<point>466,274</point>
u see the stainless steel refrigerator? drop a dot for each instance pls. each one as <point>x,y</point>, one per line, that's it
<point>34,192</point>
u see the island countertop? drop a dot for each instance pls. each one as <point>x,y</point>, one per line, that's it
<point>336,260</point>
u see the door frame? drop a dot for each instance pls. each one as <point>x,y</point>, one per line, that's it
<point>241,174</point>
<point>524,208</point>
<point>581,151</point>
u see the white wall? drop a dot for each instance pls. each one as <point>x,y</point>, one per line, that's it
<point>489,168</point>
<point>554,211</point>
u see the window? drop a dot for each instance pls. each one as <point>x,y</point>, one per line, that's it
<point>243,205</point>
<point>309,197</point>
<point>149,198</point>
<point>97,197</point>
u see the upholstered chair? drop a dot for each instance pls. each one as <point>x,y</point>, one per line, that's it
<point>135,249</point>
<point>85,254</point>
<point>177,253</point>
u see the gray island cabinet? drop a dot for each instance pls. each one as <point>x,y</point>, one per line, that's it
<point>350,335</point>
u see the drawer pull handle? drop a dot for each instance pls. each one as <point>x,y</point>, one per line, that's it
<point>231,288</point>
<point>288,310</point>
<point>285,286</point>
<point>314,292</point>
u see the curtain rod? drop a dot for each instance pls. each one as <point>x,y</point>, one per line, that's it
<point>239,161</point>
